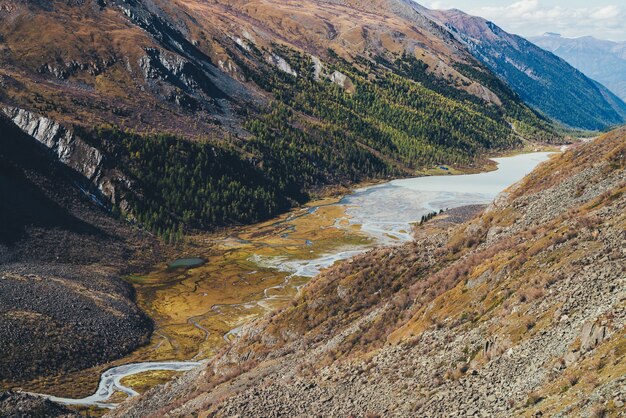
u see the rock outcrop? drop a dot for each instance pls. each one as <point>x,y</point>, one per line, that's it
<point>104,185</point>
<point>280,63</point>
<point>71,151</point>
<point>342,80</point>
<point>592,335</point>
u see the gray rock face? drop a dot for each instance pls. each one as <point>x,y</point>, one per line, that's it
<point>591,335</point>
<point>73,152</point>
<point>280,63</point>
<point>318,68</point>
<point>341,80</point>
<point>178,71</point>
<point>66,69</point>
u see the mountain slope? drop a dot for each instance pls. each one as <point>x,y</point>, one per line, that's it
<point>296,95</point>
<point>519,311</point>
<point>543,80</point>
<point>63,306</point>
<point>604,61</point>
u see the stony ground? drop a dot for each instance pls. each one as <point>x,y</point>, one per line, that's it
<point>20,405</point>
<point>519,312</point>
<point>63,304</point>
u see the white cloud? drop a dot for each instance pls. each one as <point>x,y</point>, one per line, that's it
<point>607,12</point>
<point>572,18</point>
<point>522,8</point>
<point>531,17</point>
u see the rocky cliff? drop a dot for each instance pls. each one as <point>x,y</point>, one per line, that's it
<point>71,152</point>
<point>106,186</point>
<point>519,311</point>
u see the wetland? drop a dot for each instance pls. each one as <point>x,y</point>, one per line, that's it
<point>221,282</point>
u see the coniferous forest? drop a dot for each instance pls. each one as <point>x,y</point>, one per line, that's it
<point>391,119</point>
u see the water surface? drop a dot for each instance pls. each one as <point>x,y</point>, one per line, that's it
<point>386,211</point>
<point>187,263</point>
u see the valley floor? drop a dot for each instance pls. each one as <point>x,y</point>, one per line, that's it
<point>519,311</point>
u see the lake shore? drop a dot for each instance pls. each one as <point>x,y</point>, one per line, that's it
<point>252,270</point>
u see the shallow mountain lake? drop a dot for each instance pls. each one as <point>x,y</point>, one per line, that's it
<point>186,263</point>
<point>386,211</point>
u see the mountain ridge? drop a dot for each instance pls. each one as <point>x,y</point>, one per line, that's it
<point>538,77</point>
<point>222,74</point>
<point>604,61</point>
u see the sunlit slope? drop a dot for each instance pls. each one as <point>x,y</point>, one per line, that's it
<point>219,113</point>
<point>517,311</point>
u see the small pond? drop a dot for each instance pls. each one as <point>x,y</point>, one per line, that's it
<point>186,263</point>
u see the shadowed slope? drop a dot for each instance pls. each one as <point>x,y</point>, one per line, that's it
<point>543,80</point>
<point>62,304</point>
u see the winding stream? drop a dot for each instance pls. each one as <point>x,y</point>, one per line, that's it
<point>381,214</point>
<point>110,382</point>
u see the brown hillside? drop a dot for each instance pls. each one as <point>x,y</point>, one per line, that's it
<point>519,311</point>
<point>86,62</point>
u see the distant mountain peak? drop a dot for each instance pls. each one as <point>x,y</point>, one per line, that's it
<point>601,60</point>
<point>548,83</point>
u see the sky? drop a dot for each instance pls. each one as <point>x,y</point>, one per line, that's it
<point>603,19</point>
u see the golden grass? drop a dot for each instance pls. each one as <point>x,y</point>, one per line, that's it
<point>143,382</point>
<point>219,295</point>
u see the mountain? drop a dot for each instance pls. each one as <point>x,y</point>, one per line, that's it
<point>516,311</point>
<point>126,120</point>
<point>195,115</point>
<point>63,306</point>
<point>603,61</point>
<point>128,123</point>
<point>543,80</point>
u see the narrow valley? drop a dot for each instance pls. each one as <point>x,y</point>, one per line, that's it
<point>199,304</point>
<point>295,208</point>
